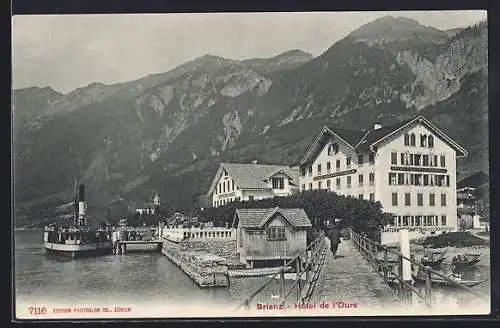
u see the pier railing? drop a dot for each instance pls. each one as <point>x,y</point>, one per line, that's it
<point>307,262</point>
<point>371,251</point>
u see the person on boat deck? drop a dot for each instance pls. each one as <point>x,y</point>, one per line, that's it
<point>333,234</point>
<point>114,237</point>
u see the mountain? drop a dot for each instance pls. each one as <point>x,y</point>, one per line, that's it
<point>168,132</point>
<point>390,29</point>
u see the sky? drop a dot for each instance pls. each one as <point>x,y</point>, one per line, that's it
<point>70,51</point>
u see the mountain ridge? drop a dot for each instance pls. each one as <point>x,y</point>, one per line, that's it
<point>141,140</point>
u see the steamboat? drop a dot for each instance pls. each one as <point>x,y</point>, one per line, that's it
<point>78,240</point>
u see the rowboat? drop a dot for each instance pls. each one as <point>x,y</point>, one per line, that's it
<point>439,281</point>
<point>434,258</point>
<point>465,260</point>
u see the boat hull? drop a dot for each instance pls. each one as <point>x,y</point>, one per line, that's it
<point>432,263</point>
<point>443,282</point>
<point>78,251</point>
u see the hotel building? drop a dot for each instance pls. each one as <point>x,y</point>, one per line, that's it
<point>237,182</point>
<point>410,167</point>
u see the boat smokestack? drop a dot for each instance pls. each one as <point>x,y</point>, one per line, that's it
<point>81,204</point>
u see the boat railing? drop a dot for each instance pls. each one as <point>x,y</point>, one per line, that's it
<point>307,262</point>
<point>370,250</point>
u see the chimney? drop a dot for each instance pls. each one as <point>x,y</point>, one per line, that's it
<point>377,125</point>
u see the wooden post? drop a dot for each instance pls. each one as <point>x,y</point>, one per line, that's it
<point>308,262</point>
<point>282,285</point>
<point>400,274</point>
<point>428,288</point>
<point>297,267</point>
<point>385,265</point>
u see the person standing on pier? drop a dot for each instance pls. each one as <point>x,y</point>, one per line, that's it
<point>333,234</point>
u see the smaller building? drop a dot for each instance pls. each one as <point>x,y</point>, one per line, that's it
<point>150,208</point>
<point>267,237</point>
<point>235,182</point>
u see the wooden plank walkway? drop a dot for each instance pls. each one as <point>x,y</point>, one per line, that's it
<point>351,279</point>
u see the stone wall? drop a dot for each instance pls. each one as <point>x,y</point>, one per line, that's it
<point>221,247</point>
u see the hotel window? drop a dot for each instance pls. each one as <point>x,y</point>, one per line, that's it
<point>418,220</point>
<point>418,179</point>
<point>360,196</point>
<point>443,161</point>
<point>447,180</point>
<point>425,160</point>
<point>251,197</point>
<point>431,142</point>
<point>411,159</point>
<point>371,178</point>
<point>276,233</point>
<point>279,183</point>
<point>371,158</point>
<point>304,186</point>
<point>423,140</point>
<point>348,162</point>
<point>360,159</point>
<point>360,179</point>
<point>401,179</point>
<point>432,199</point>
<point>310,186</point>
<point>328,167</point>
<point>349,182</point>
<point>417,159</point>
<point>394,199</point>
<point>394,158</point>
<point>412,140</point>
<point>328,183</point>
<point>372,197</point>
<point>232,185</point>
<point>435,160</point>
<point>333,149</point>
<point>392,179</point>
<point>407,199</point>
<point>319,184</point>
<point>319,168</point>
<point>420,199</point>
<point>303,172</point>
<point>337,164</point>
<point>407,139</point>
<point>402,161</point>
<point>443,220</point>
<point>224,187</point>
<point>310,169</point>
<point>426,180</point>
<point>337,181</point>
<point>443,199</point>
<point>406,218</point>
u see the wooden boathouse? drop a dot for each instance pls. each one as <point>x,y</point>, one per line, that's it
<point>267,237</point>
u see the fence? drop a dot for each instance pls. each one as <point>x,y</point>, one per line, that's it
<point>309,262</point>
<point>199,233</point>
<point>370,250</point>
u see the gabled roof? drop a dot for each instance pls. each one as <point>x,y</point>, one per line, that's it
<point>363,141</point>
<point>475,180</point>
<point>252,176</point>
<point>257,217</point>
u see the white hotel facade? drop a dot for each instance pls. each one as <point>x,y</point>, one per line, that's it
<point>410,167</point>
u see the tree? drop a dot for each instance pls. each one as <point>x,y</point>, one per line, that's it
<point>319,205</point>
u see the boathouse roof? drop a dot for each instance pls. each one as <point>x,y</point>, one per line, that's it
<point>364,140</point>
<point>253,176</point>
<point>257,217</point>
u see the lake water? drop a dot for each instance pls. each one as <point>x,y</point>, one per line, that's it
<point>132,277</point>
